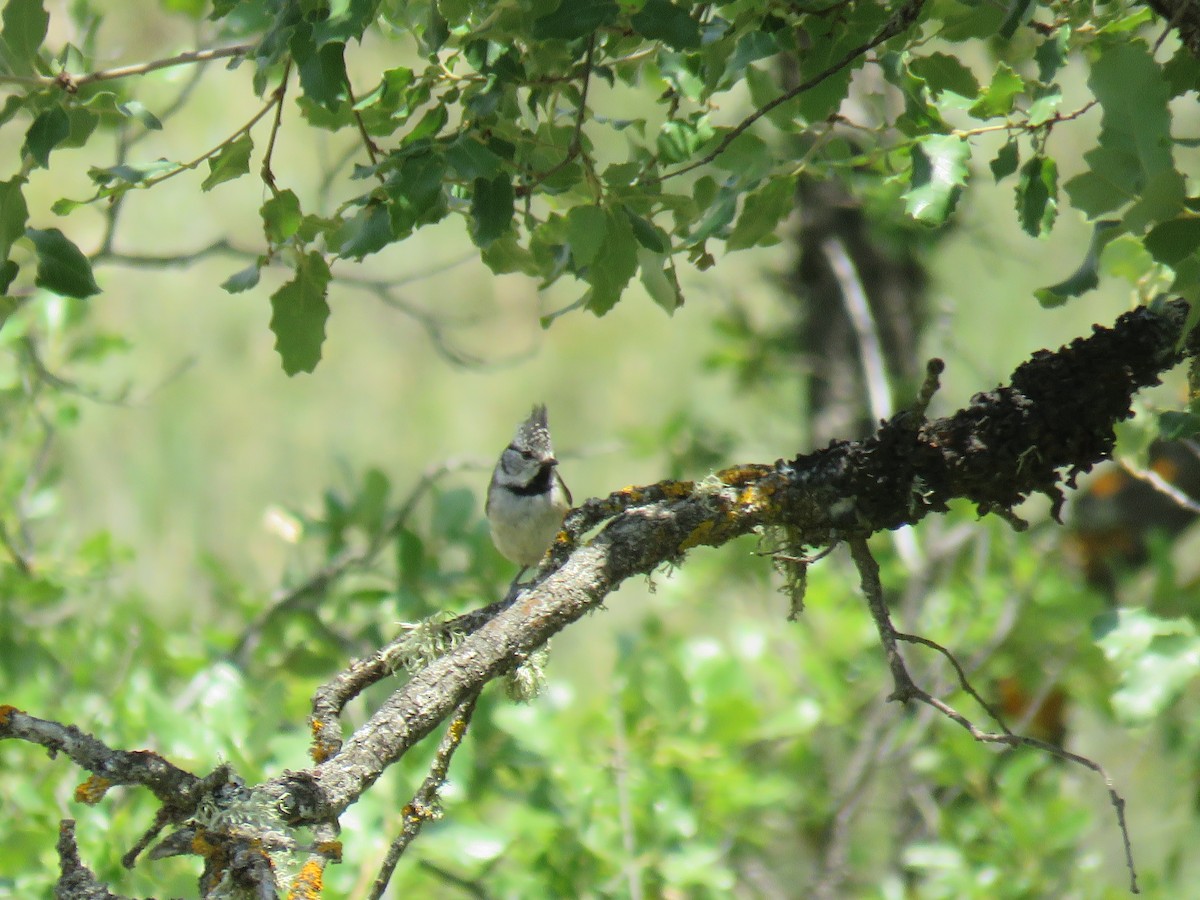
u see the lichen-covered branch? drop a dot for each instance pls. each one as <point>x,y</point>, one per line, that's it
<point>1053,421</point>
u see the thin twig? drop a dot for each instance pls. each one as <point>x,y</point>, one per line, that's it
<point>316,584</point>
<point>907,689</point>
<point>1160,484</point>
<point>576,145</point>
<point>425,806</point>
<point>902,19</point>
<point>72,83</point>
<point>277,98</point>
<point>208,154</point>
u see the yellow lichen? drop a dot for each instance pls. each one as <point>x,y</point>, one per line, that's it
<point>308,883</point>
<point>92,790</point>
<point>202,846</point>
<point>699,535</point>
<point>331,850</point>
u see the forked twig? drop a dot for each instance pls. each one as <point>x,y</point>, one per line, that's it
<point>907,689</point>
<point>424,805</point>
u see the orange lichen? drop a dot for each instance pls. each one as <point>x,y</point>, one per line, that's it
<point>309,882</point>
<point>92,790</point>
<point>322,748</point>
<point>673,490</point>
<point>737,476</point>
<point>202,846</point>
<point>331,850</point>
<point>6,712</point>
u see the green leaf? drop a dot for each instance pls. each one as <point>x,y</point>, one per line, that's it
<point>1154,658</point>
<point>1018,12</point>
<point>939,171</point>
<point>13,213</point>
<point>942,72</point>
<point>281,216</point>
<point>1037,196</point>
<point>762,212</point>
<point>1093,193</point>
<point>659,20</point>
<point>298,314</point>
<point>998,97</point>
<point>135,110</point>
<point>1161,198</point>
<point>647,233</point>
<point>1006,161</point>
<point>132,174</point>
<point>586,230</point>
<point>233,161</point>
<point>575,19</point>
<point>416,191</point>
<point>431,123</point>
<point>716,212</point>
<point>244,279</point>
<point>615,263</point>
<point>62,267</point>
<point>8,305</point>
<point>323,75</point>
<point>1174,425</point>
<point>491,209</point>
<point>1130,87</point>
<point>48,130</point>
<point>748,155</point>
<point>24,29</point>
<point>660,280</point>
<point>1086,277</point>
<point>1172,241</point>
<point>469,158</point>
<point>1052,53</point>
<point>1045,106</point>
<point>368,231</point>
<point>678,140</point>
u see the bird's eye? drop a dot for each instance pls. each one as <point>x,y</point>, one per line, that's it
<point>526,454</point>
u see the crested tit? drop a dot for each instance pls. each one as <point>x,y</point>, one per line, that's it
<point>527,498</point>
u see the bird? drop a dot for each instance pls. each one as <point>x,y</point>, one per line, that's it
<point>527,497</point>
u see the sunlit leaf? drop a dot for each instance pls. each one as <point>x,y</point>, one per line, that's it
<point>281,216</point>
<point>939,171</point>
<point>233,161</point>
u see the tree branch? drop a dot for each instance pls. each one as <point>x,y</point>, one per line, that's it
<point>1184,17</point>
<point>72,83</point>
<point>897,24</point>
<point>1053,422</point>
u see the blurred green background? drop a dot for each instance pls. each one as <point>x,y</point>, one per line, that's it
<point>689,742</point>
